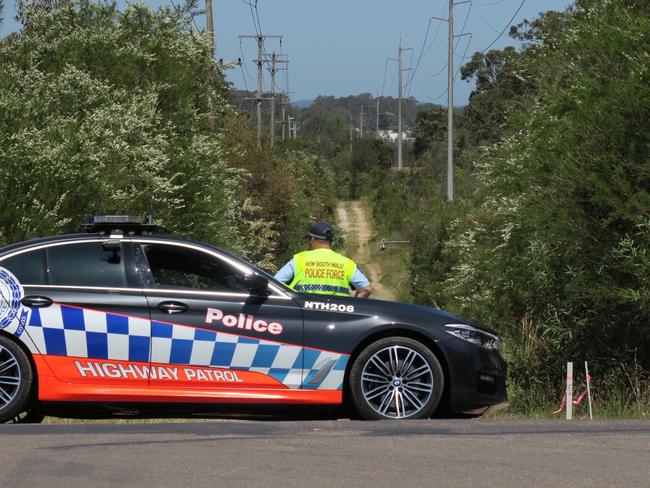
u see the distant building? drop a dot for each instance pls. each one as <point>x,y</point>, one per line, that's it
<point>391,135</point>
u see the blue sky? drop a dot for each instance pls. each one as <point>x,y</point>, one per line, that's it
<point>338,47</point>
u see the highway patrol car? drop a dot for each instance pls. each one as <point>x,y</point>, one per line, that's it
<point>126,314</point>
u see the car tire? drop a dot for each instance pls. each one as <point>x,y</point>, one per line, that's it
<point>396,378</point>
<point>16,380</point>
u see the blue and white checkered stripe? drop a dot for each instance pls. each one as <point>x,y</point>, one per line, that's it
<point>69,331</point>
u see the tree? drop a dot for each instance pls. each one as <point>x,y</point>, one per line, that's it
<point>105,111</point>
<point>497,86</point>
<point>549,242</point>
<point>557,251</point>
<point>502,83</point>
<point>430,127</point>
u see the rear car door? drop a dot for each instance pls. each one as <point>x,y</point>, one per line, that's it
<point>209,334</point>
<point>88,323</point>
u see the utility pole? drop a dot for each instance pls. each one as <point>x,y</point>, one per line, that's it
<point>377,119</point>
<point>292,127</point>
<point>284,114</point>
<point>260,80</point>
<point>351,132</point>
<point>211,39</point>
<point>361,123</point>
<point>400,162</point>
<point>275,59</point>
<point>450,96</point>
<point>210,25</point>
<point>450,104</point>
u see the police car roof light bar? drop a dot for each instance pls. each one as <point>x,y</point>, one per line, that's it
<point>127,224</point>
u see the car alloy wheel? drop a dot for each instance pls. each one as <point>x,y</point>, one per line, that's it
<point>397,382</point>
<point>396,378</point>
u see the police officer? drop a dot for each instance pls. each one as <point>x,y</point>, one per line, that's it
<point>321,270</point>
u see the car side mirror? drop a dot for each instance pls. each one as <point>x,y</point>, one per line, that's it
<point>256,284</point>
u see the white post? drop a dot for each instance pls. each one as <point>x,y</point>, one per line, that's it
<point>591,415</point>
<point>569,390</point>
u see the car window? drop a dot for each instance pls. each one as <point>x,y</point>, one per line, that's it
<point>86,264</point>
<point>28,267</point>
<point>182,268</point>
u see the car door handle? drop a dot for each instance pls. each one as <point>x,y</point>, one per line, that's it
<point>173,307</point>
<point>36,301</point>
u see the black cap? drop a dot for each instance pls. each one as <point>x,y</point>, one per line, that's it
<point>321,230</point>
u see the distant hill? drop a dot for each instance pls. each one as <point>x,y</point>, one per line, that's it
<point>303,103</point>
<point>346,109</point>
<point>351,107</point>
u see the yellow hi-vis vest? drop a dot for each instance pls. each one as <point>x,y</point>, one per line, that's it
<point>322,271</point>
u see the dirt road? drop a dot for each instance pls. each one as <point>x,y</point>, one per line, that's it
<point>355,221</point>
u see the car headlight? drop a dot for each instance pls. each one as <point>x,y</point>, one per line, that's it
<point>475,336</point>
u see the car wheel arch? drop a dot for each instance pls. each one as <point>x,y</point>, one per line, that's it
<point>30,357</point>
<point>399,331</point>
<point>33,393</point>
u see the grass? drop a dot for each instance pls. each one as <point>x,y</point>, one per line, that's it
<point>350,241</point>
<point>394,262</point>
<point>607,404</point>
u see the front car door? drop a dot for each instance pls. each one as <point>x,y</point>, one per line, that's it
<point>211,338</point>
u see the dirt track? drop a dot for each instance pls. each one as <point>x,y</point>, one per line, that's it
<point>356,223</point>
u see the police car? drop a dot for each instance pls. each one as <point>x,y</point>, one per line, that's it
<point>126,314</point>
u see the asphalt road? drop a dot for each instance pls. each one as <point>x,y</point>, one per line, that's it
<point>328,453</point>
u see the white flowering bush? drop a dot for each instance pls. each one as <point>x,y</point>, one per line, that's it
<point>106,111</point>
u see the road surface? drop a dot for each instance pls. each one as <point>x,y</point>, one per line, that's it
<point>328,453</point>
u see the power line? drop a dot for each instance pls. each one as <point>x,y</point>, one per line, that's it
<point>489,4</point>
<point>257,16</point>
<point>505,28</point>
<point>259,25</point>
<point>392,82</point>
<point>243,75</point>
<point>462,29</point>
<point>288,90</point>
<point>383,85</point>
<point>417,64</point>
<point>422,53</point>
<point>442,70</point>
<point>441,95</point>
<point>464,57</point>
<point>252,7</point>
<point>444,67</point>
<point>243,57</point>
<point>486,22</point>
<point>256,20</point>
